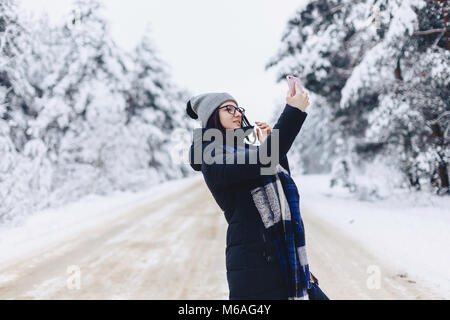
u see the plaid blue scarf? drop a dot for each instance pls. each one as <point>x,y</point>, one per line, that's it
<point>284,227</point>
<point>283,224</point>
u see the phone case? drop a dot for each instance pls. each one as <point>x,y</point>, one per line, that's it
<point>291,80</point>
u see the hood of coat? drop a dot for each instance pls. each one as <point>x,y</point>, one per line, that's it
<point>198,143</point>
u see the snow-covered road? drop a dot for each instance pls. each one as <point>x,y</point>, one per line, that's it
<point>172,246</point>
<point>347,270</point>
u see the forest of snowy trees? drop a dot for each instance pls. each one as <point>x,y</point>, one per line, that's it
<point>79,115</point>
<point>379,75</point>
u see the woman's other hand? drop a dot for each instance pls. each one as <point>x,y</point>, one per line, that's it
<point>300,100</point>
<point>264,130</point>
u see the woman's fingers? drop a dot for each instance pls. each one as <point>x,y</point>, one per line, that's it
<point>264,130</point>
<point>262,124</point>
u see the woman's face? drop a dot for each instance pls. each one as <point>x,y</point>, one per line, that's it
<point>228,120</point>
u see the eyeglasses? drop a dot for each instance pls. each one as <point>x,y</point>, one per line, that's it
<point>232,109</point>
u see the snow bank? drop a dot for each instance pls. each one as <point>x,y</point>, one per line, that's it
<point>409,231</point>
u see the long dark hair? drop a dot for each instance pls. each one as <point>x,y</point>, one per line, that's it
<point>214,122</point>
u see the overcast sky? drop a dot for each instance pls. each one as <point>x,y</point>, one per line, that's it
<point>210,45</point>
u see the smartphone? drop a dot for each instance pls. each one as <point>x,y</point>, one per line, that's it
<point>291,80</point>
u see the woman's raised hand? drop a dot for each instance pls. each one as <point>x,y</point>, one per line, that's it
<point>264,131</point>
<point>300,100</point>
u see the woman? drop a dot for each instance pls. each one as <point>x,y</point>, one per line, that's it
<point>257,262</point>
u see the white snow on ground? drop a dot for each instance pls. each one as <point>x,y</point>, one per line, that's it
<point>44,228</point>
<point>409,231</point>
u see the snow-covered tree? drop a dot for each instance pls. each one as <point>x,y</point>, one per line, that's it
<point>150,107</point>
<point>80,115</point>
<point>381,68</point>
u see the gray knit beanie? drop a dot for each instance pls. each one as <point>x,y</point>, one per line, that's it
<point>203,106</point>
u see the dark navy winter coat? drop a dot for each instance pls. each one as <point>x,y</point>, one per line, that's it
<point>253,271</point>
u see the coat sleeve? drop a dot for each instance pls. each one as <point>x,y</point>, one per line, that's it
<point>285,164</point>
<point>225,175</point>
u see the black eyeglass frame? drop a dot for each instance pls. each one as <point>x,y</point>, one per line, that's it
<point>240,109</point>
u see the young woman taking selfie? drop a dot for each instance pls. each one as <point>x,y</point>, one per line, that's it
<point>265,242</point>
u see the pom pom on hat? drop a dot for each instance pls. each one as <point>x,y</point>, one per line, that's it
<point>191,111</point>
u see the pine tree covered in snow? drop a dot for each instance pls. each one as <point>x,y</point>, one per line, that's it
<point>382,70</point>
<point>79,115</point>
<point>150,101</point>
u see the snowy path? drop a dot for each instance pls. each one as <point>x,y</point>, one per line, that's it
<point>169,248</point>
<point>173,247</point>
<point>346,270</point>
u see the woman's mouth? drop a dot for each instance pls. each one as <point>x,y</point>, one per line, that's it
<point>237,122</point>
